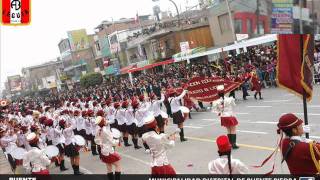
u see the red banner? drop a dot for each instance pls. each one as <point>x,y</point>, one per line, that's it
<point>205,89</point>
<point>293,73</point>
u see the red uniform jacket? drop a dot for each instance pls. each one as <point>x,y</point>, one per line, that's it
<point>299,161</point>
<point>256,86</point>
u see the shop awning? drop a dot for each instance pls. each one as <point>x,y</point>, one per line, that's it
<point>126,69</point>
<point>169,61</point>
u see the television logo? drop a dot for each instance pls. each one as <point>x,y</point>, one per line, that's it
<point>306,178</point>
<point>15,12</point>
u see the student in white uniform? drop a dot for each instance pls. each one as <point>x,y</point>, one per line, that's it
<point>159,144</point>
<point>225,164</point>
<point>36,157</point>
<point>161,116</point>
<point>109,156</point>
<point>59,140</point>
<point>71,149</point>
<point>178,116</point>
<point>131,125</point>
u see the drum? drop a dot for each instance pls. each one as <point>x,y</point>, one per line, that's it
<point>80,141</point>
<point>18,153</point>
<point>184,110</point>
<point>51,151</point>
<point>164,115</point>
<point>116,133</point>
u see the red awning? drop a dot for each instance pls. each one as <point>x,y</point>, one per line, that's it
<point>126,69</point>
<point>152,65</point>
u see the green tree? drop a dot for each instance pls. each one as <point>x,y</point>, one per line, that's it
<point>91,79</point>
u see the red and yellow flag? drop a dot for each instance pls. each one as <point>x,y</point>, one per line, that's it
<point>294,73</point>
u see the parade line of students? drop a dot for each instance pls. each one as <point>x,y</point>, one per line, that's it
<point>33,138</point>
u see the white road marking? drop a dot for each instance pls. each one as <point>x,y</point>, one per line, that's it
<point>242,113</point>
<point>209,119</point>
<point>315,137</point>
<point>259,106</point>
<point>136,159</point>
<point>192,127</point>
<point>84,170</point>
<point>309,114</point>
<point>264,122</point>
<point>251,132</point>
<point>271,101</point>
<point>314,106</point>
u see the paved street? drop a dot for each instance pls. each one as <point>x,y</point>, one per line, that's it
<point>256,136</point>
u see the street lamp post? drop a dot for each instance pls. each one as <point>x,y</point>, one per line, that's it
<point>231,22</point>
<point>175,5</point>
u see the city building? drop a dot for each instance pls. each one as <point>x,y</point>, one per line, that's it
<point>160,42</point>
<point>43,77</point>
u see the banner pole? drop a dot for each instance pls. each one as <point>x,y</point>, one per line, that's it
<point>305,109</point>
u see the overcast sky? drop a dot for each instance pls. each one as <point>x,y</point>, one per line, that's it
<point>51,19</point>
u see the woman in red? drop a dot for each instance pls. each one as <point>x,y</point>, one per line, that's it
<point>256,85</point>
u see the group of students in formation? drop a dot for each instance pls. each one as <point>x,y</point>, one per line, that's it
<point>47,137</point>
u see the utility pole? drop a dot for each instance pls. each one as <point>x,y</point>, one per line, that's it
<point>231,21</point>
<point>258,16</point>
<point>300,20</point>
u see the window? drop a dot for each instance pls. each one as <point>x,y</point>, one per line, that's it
<point>238,26</point>
<point>97,45</point>
<point>249,26</point>
<point>224,23</point>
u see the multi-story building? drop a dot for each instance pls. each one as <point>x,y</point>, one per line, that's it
<point>44,76</point>
<point>162,41</point>
<point>77,54</point>
<point>245,17</point>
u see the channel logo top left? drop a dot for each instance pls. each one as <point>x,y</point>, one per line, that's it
<point>15,12</point>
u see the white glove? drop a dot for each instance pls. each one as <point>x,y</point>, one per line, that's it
<point>306,128</point>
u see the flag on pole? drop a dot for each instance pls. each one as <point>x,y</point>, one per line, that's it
<point>137,18</point>
<point>293,73</point>
<point>15,12</point>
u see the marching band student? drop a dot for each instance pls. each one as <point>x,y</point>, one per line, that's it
<point>301,155</point>
<point>224,107</point>
<point>8,142</point>
<point>178,117</point>
<point>71,149</point>
<point>50,131</point>
<point>131,125</point>
<point>256,85</point>
<point>119,116</point>
<point>158,143</point>
<point>109,112</point>
<point>80,121</point>
<point>225,164</point>
<point>36,157</point>
<point>59,140</point>
<point>160,116</point>
<point>107,142</point>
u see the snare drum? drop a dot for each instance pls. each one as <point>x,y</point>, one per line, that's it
<point>51,151</point>
<point>80,141</point>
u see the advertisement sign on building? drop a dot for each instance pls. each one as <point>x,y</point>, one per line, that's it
<point>14,83</point>
<point>49,82</point>
<point>282,17</point>
<point>184,46</point>
<point>78,39</point>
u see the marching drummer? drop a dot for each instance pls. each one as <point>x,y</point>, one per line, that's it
<point>178,116</point>
<point>224,107</point>
<point>36,157</point>
<point>158,143</point>
<point>71,149</point>
<point>105,138</point>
